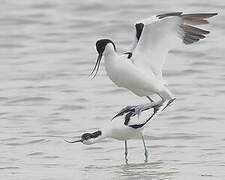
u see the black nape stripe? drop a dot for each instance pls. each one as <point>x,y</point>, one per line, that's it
<point>96,134</point>
<point>87,136</point>
<point>139,29</point>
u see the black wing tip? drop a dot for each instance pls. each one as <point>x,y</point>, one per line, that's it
<point>203,15</point>
<point>206,32</point>
<point>193,34</point>
<point>211,14</point>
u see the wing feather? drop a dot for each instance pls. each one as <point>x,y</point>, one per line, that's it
<point>157,35</point>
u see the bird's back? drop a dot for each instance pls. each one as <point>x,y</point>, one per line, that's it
<point>127,127</point>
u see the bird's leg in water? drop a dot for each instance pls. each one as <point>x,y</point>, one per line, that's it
<point>146,151</point>
<point>126,152</point>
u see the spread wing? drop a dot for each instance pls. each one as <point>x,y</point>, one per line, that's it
<point>157,35</point>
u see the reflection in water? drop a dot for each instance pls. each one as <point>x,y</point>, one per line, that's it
<point>136,170</point>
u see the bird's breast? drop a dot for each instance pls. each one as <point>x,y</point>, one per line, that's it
<point>125,133</point>
<point>125,74</point>
<point>115,71</point>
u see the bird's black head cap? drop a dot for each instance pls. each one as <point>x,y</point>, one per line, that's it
<point>101,44</point>
<point>87,136</point>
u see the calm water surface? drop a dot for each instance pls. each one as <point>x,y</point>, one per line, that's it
<point>47,50</point>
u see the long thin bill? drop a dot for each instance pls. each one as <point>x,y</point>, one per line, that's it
<point>73,141</point>
<point>97,64</point>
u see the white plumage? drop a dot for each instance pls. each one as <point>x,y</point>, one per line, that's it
<point>140,69</point>
<point>124,125</point>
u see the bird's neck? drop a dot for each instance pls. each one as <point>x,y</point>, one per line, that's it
<point>109,50</point>
<point>104,133</point>
<point>110,58</point>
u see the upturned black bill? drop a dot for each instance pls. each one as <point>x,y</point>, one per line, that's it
<point>73,141</point>
<point>97,64</point>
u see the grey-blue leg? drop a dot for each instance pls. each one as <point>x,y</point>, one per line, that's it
<point>136,110</point>
<point>146,152</point>
<point>170,101</point>
<point>163,99</point>
<point>126,152</point>
<point>144,107</point>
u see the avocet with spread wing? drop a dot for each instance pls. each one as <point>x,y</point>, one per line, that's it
<point>140,69</point>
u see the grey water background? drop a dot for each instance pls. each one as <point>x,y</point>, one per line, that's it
<point>47,50</point>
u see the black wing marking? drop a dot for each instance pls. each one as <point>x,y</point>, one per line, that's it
<point>191,34</point>
<point>139,29</point>
<point>130,112</point>
<point>129,54</point>
<point>127,109</point>
<point>136,126</point>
